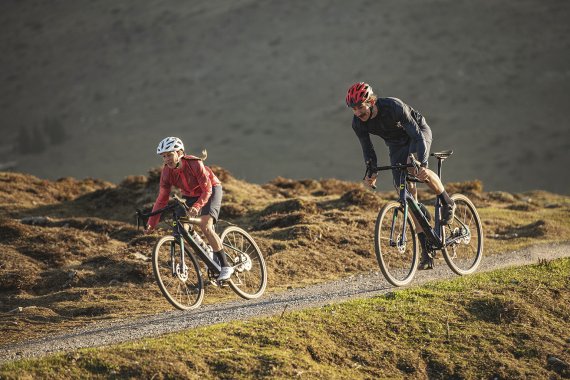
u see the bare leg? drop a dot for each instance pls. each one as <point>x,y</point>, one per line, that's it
<point>413,189</point>
<point>434,183</point>
<point>425,261</point>
<point>207,227</point>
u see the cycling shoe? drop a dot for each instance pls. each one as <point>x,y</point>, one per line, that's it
<point>426,262</point>
<point>447,212</point>
<point>225,273</point>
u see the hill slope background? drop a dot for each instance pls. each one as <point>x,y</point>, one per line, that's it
<point>89,88</point>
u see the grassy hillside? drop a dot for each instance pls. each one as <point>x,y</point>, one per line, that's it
<point>502,325</point>
<point>71,253</point>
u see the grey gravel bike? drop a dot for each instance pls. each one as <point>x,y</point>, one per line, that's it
<point>395,239</point>
<point>176,257</point>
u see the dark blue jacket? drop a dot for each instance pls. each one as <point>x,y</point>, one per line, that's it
<point>399,125</point>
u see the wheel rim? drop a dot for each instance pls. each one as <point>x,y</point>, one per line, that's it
<point>181,286</point>
<point>396,256</point>
<point>249,278</point>
<point>465,235</point>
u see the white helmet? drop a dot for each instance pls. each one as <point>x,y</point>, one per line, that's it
<point>170,144</point>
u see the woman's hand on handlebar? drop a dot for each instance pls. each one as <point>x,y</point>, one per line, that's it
<point>193,212</point>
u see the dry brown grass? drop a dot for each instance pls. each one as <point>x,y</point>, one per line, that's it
<point>72,255</point>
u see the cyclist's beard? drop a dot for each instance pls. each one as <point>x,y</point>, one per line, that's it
<point>363,114</point>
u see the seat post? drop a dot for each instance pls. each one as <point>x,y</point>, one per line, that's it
<point>440,157</point>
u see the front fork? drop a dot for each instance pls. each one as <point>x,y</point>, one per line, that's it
<point>401,240</point>
<point>434,234</point>
<point>178,269</point>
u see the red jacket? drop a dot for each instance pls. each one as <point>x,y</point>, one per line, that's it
<point>191,177</point>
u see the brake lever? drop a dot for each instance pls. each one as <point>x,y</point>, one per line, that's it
<point>182,202</point>
<point>138,214</point>
<point>416,163</point>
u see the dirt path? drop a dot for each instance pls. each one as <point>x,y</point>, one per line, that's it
<point>272,304</point>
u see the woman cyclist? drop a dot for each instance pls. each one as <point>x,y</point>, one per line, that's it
<point>199,186</point>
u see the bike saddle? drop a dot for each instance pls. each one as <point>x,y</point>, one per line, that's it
<point>442,155</point>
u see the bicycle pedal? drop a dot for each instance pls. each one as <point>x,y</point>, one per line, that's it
<point>212,283</point>
<point>222,283</point>
<point>426,265</point>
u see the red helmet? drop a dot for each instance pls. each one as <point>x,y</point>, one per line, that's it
<point>358,93</point>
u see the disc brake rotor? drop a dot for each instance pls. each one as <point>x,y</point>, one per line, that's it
<point>463,234</point>
<point>182,275</point>
<point>243,262</point>
<point>400,244</point>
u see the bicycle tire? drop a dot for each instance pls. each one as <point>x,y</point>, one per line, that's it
<point>398,264</point>
<point>464,255</point>
<point>182,294</point>
<point>250,272</point>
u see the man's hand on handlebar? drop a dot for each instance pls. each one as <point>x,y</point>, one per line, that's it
<point>418,170</point>
<point>193,212</point>
<point>370,180</point>
<point>370,175</point>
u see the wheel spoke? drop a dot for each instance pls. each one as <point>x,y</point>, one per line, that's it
<point>464,254</point>
<point>185,294</point>
<point>250,278</point>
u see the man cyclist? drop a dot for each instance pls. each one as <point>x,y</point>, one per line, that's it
<point>199,186</point>
<point>404,131</point>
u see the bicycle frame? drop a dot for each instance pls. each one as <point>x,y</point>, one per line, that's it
<point>434,235</point>
<point>184,237</point>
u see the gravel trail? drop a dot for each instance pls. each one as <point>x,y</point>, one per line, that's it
<point>359,286</point>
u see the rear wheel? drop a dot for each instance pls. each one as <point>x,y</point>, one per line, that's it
<point>463,237</point>
<point>180,283</point>
<point>250,273</point>
<point>396,253</point>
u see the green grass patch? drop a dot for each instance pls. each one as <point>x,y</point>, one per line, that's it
<point>502,324</point>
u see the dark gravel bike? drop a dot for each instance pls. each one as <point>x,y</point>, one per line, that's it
<point>175,261</point>
<point>395,240</point>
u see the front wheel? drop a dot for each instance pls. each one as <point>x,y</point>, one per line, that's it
<point>250,273</point>
<point>463,237</point>
<point>179,281</point>
<point>396,250</point>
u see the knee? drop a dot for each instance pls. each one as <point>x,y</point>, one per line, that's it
<point>432,175</point>
<point>206,225</point>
